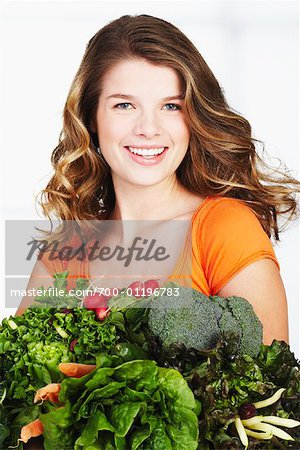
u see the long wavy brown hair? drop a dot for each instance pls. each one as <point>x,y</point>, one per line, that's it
<point>222,159</point>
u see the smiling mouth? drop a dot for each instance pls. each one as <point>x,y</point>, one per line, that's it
<point>151,153</point>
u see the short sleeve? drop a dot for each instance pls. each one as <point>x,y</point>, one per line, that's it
<point>231,237</point>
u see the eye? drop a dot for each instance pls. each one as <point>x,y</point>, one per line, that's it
<point>174,107</point>
<point>122,106</point>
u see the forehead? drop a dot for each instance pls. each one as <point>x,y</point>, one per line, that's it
<point>134,76</point>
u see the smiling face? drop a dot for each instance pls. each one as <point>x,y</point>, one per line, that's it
<point>139,112</point>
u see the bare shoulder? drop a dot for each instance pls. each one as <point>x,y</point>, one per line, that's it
<point>191,204</point>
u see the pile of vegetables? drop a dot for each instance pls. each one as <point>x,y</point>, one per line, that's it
<point>136,403</point>
<point>145,371</point>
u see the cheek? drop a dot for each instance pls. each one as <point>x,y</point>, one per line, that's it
<point>176,125</point>
<point>182,133</point>
<point>111,128</point>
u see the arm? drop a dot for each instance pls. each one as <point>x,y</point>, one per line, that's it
<point>260,283</point>
<point>39,277</point>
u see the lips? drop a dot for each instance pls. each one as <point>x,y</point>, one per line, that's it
<point>146,161</point>
<point>146,147</point>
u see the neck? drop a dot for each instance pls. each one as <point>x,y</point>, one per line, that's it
<point>155,202</point>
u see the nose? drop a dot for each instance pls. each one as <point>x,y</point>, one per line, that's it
<point>147,124</point>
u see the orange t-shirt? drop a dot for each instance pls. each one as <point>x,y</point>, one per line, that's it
<point>226,236</point>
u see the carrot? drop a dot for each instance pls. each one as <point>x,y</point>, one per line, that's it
<point>49,392</point>
<point>33,429</point>
<point>76,370</point>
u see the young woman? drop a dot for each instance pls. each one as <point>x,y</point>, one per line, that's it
<point>148,135</point>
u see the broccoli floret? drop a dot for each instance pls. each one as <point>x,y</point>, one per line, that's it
<point>190,318</point>
<point>239,316</point>
<point>198,321</point>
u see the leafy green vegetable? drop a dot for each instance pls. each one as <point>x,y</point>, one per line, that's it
<point>59,297</point>
<point>223,380</point>
<point>136,402</point>
<point>57,424</point>
<point>31,351</point>
<point>36,342</point>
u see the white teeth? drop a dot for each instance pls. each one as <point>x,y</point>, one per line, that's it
<point>146,152</point>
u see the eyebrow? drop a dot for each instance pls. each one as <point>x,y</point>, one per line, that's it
<point>131,97</point>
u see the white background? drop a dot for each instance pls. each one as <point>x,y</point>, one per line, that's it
<point>251,46</point>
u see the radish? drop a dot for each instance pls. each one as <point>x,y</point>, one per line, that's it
<point>150,286</point>
<point>138,289</point>
<point>102,313</point>
<point>143,289</point>
<point>95,301</point>
<point>112,292</point>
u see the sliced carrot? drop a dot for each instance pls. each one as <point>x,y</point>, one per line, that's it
<point>33,429</point>
<point>76,370</point>
<point>49,392</point>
